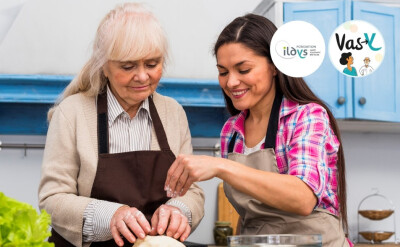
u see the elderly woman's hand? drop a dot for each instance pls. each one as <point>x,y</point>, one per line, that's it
<point>127,220</point>
<point>170,220</point>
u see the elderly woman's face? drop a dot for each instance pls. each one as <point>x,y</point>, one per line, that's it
<point>133,81</point>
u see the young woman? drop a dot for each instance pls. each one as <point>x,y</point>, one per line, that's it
<point>112,139</point>
<point>282,163</point>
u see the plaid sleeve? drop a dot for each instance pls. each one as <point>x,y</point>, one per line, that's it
<point>307,156</point>
<point>226,135</point>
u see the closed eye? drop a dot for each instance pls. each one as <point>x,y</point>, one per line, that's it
<point>128,67</point>
<point>151,65</point>
<point>244,71</point>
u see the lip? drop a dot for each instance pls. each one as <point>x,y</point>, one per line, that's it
<point>239,93</point>
<point>140,88</point>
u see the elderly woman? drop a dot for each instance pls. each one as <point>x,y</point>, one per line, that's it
<point>112,139</point>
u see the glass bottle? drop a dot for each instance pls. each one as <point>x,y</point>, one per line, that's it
<point>222,230</point>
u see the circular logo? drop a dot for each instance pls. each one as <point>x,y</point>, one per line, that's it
<point>356,48</point>
<point>297,48</point>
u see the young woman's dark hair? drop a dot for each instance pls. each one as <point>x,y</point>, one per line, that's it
<point>255,32</point>
<point>344,57</point>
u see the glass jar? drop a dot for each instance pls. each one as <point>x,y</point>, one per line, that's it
<point>276,240</point>
<point>222,230</point>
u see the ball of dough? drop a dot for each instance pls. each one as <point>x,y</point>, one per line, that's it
<point>158,241</point>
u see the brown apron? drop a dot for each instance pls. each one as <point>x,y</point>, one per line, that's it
<point>258,218</point>
<point>133,178</point>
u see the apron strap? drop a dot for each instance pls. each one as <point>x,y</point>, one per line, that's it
<point>232,143</point>
<point>158,127</point>
<point>270,137</point>
<point>102,123</point>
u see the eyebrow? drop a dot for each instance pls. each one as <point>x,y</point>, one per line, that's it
<point>236,65</point>
<point>157,59</point>
<point>154,59</point>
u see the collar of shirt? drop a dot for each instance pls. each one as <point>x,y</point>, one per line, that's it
<point>115,109</point>
<point>287,108</point>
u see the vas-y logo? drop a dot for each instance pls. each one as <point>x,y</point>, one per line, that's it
<point>350,44</point>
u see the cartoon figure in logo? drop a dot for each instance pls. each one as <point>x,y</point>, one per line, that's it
<point>348,59</point>
<point>366,69</point>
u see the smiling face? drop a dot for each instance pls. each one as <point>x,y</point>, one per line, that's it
<point>133,81</point>
<point>245,77</point>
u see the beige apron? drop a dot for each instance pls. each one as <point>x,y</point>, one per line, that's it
<point>258,218</point>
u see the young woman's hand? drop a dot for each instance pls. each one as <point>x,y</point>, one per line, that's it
<point>127,220</point>
<point>171,221</point>
<point>188,169</point>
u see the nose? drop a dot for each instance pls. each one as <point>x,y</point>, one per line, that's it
<point>141,75</point>
<point>233,81</point>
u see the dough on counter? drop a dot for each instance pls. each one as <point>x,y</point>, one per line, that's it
<point>158,241</point>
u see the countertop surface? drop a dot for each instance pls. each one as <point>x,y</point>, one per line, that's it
<point>356,245</point>
<point>377,245</point>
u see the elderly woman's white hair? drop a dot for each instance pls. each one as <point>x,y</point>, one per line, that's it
<point>129,32</point>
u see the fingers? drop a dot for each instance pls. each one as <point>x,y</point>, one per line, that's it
<point>141,219</point>
<point>154,223</point>
<point>171,171</point>
<point>174,223</point>
<point>181,183</point>
<point>181,229</point>
<point>171,221</point>
<point>185,235</point>
<point>124,231</point>
<point>127,220</point>
<point>163,219</point>
<point>118,226</point>
<point>116,236</point>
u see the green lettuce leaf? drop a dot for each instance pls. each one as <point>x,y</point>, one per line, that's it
<point>21,225</point>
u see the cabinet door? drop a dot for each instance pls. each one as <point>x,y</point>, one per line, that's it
<point>328,83</point>
<point>382,88</point>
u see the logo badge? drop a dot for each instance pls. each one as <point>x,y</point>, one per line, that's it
<point>297,48</point>
<point>356,48</point>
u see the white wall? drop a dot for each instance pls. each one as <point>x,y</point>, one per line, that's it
<point>55,36</point>
<point>372,159</point>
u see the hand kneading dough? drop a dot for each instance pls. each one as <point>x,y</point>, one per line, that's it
<point>158,241</point>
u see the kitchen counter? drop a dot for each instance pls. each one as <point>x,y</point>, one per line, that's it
<point>377,245</point>
<point>356,245</point>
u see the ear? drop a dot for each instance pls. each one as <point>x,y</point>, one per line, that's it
<point>105,70</point>
<point>275,71</point>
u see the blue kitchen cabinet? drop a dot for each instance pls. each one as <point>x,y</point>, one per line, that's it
<point>328,83</point>
<point>26,99</point>
<point>345,95</point>
<point>381,89</point>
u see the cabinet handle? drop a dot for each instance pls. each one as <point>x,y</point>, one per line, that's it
<point>341,100</point>
<point>362,101</point>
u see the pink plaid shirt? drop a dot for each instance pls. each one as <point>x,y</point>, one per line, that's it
<point>306,147</point>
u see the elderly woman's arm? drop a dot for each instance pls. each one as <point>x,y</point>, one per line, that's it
<point>58,189</point>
